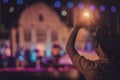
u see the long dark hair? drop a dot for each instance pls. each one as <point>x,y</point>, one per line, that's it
<point>109,41</point>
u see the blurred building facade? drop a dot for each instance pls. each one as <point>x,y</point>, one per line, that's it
<point>39,22</point>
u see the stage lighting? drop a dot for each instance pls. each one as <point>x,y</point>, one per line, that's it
<point>92,7</point>
<point>113,9</point>
<point>5,1</point>
<point>19,2</point>
<point>63,12</point>
<point>21,58</point>
<point>88,17</point>
<point>11,9</point>
<point>80,5</point>
<point>102,8</point>
<point>33,56</point>
<point>57,4</point>
<point>86,14</point>
<point>70,5</point>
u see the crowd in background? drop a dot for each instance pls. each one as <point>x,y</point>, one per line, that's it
<point>34,57</point>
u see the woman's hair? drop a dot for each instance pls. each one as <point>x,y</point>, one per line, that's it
<point>109,41</point>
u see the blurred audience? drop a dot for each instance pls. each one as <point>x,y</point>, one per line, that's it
<point>6,59</point>
<point>20,58</point>
<point>55,54</point>
<point>40,51</point>
<point>34,57</point>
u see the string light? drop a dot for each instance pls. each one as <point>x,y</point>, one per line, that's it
<point>5,1</point>
<point>11,9</point>
<point>70,5</point>
<point>86,14</point>
<point>113,9</point>
<point>19,2</point>
<point>92,7</point>
<point>102,8</point>
<point>64,12</point>
<point>80,5</point>
<point>57,4</point>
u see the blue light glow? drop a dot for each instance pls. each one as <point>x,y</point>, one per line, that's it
<point>48,51</point>
<point>57,4</point>
<point>80,5</point>
<point>102,8</point>
<point>92,7</point>
<point>70,5</point>
<point>21,58</point>
<point>113,9</point>
<point>33,56</point>
<point>5,1</point>
<point>89,46</point>
<point>19,2</point>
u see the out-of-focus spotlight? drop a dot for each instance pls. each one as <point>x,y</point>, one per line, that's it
<point>92,7</point>
<point>88,17</point>
<point>5,1</point>
<point>102,8</point>
<point>113,9</point>
<point>57,4</point>
<point>11,9</point>
<point>86,14</point>
<point>19,2</point>
<point>80,5</point>
<point>63,12</point>
<point>70,5</point>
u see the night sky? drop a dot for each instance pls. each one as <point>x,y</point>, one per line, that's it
<point>10,10</point>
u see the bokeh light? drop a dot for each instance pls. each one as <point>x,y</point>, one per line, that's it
<point>89,46</point>
<point>11,9</point>
<point>21,58</point>
<point>92,7</point>
<point>33,56</point>
<point>19,2</point>
<point>57,4</point>
<point>86,14</point>
<point>5,1</point>
<point>80,5</point>
<point>113,9</point>
<point>63,12</point>
<point>102,8</point>
<point>70,5</point>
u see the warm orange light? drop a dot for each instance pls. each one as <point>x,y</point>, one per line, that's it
<point>88,17</point>
<point>86,14</point>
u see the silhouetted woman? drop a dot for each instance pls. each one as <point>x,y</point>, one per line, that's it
<point>107,47</point>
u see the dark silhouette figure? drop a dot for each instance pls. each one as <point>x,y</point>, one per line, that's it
<point>107,47</point>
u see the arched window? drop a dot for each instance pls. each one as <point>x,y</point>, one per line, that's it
<point>27,35</point>
<point>41,18</point>
<point>54,36</point>
<point>41,35</point>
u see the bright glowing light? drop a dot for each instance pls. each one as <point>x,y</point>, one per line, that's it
<point>88,17</point>
<point>113,9</point>
<point>11,9</point>
<point>33,56</point>
<point>70,4</point>
<point>5,1</point>
<point>86,14</point>
<point>92,7</point>
<point>80,5</point>
<point>19,2</point>
<point>21,58</point>
<point>102,8</point>
<point>57,4</point>
<point>64,12</point>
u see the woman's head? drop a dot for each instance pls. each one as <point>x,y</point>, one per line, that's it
<point>109,41</point>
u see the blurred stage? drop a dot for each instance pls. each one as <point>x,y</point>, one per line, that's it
<point>39,74</point>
